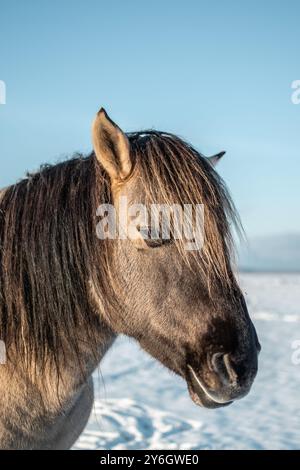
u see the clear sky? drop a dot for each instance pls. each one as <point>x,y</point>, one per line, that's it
<point>218,73</point>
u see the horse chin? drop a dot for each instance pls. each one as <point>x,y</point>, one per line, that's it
<point>200,395</point>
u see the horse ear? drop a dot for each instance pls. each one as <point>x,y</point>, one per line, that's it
<point>111,146</point>
<point>214,160</point>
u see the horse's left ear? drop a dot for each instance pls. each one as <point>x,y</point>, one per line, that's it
<point>111,146</point>
<point>214,160</point>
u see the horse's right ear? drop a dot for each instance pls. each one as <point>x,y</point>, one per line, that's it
<point>111,146</point>
<point>214,160</point>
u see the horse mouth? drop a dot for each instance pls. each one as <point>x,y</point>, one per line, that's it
<point>200,394</point>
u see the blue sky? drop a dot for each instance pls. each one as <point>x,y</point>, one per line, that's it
<point>218,73</point>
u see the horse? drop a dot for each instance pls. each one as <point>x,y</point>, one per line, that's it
<point>66,294</point>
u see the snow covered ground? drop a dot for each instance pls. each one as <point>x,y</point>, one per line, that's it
<point>140,405</point>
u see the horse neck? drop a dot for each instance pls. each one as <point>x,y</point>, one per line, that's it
<point>49,389</point>
<point>58,384</point>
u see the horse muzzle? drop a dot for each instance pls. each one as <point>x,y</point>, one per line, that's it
<point>231,379</point>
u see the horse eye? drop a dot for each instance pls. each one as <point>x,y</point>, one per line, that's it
<point>157,243</point>
<point>153,242</point>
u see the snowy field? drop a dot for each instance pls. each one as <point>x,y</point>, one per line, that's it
<point>140,405</point>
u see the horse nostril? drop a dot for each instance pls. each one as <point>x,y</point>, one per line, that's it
<point>222,366</point>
